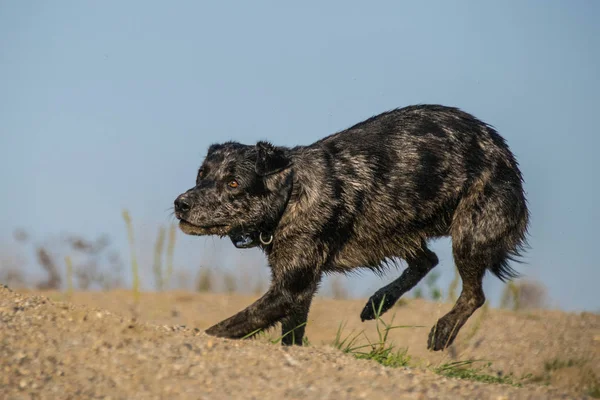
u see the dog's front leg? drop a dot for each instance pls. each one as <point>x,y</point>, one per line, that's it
<point>294,324</point>
<point>287,299</point>
<point>262,314</point>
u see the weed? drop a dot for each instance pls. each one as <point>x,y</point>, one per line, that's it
<point>384,353</point>
<point>252,334</point>
<point>291,332</point>
<point>594,390</point>
<point>157,266</point>
<point>346,344</point>
<point>170,253</point>
<point>69,274</point>
<point>338,291</point>
<point>523,295</point>
<point>259,287</point>
<point>418,293</point>
<point>431,281</point>
<point>557,364</point>
<point>586,382</point>
<point>452,289</point>
<point>134,264</point>
<point>381,350</point>
<point>402,302</point>
<point>433,290</point>
<point>46,261</point>
<point>229,283</point>
<point>466,370</point>
<point>204,282</point>
<point>478,322</point>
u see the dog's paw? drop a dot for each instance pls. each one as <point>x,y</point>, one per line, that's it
<point>212,331</point>
<point>442,334</point>
<point>218,331</point>
<point>372,308</point>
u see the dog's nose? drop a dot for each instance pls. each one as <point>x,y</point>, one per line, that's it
<point>182,204</point>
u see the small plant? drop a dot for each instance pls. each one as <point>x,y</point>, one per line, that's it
<point>157,266</point>
<point>478,322</point>
<point>558,363</point>
<point>229,283</point>
<point>434,290</point>
<point>453,288</point>
<point>291,332</point>
<point>594,390</point>
<point>46,261</point>
<point>587,380</point>
<point>259,287</point>
<point>346,344</point>
<point>338,291</point>
<point>402,302</point>
<point>263,334</point>
<point>204,282</point>
<point>380,350</point>
<point>170,253</point>
<point>254,334</point>
<point>418,293</point>
<point>466,370</point>
<point>162,276</point>
<point>69,274</point>
<point>523,295</point>
<point>134,264</point>
<point>510,297</point>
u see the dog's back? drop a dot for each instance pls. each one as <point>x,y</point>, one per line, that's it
<point>410,174</point>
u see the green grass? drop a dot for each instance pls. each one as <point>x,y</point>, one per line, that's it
<point>380,350</point>
<point>385,353</point>
<point>467,370</point>
<point>262,334</point>
<point>558,363</point>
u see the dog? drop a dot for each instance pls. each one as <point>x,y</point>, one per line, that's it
<point>365,197</point>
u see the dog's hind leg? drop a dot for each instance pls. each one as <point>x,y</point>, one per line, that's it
<point>487,232</point>
<point>471,298</point>
<point>418,266</point>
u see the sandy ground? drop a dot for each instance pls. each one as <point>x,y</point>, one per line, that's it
<point>105,345</point>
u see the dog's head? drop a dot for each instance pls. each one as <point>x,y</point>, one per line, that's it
<point>239,189</point>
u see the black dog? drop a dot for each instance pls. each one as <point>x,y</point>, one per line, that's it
<point>365,197</point>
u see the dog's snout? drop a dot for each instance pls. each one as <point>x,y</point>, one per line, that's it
<point>182,204</point>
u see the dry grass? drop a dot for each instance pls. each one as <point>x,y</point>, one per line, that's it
<point>523,295</point>
<point>134,264</point>
<point>157,265</point>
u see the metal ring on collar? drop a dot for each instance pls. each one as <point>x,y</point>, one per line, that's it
<point>265,242</point>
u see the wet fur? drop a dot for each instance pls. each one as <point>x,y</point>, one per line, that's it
<point>363,198</point>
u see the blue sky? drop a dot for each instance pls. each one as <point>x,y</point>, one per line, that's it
<point>106,105</point>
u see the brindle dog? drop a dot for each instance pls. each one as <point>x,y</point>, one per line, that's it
<point>365,197</point>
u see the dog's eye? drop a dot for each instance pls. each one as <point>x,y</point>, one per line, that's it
<point>233,184</point>
<point>200,175</point>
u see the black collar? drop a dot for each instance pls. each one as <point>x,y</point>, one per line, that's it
<point>261,236</point>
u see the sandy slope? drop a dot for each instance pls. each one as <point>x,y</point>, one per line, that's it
<point>91,347</point>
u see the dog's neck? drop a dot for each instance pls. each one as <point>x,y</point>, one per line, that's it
<point>263,235</point>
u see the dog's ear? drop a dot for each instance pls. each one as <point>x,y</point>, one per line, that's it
<point>270,159</point>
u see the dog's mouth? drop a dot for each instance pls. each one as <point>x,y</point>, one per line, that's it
<point>202,230</point>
